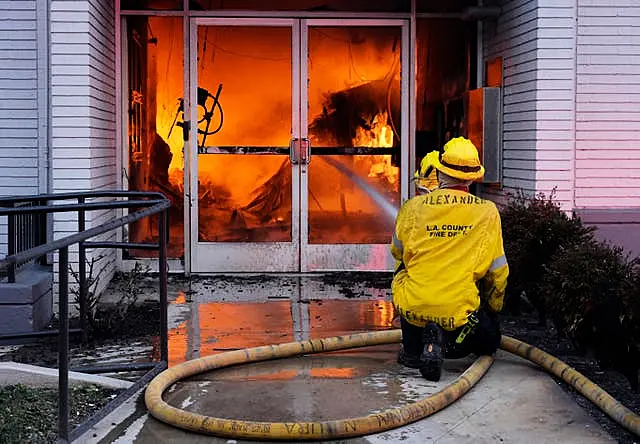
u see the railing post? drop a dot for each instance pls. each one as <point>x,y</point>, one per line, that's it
<point>11,244</point>
<point>82,274</point>
<point>42,230</point>
<point>28,227</point>
<point>19,230</point>
<point>63,347</point>
<point>163,228</point>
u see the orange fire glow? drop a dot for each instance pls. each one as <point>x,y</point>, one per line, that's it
<point>379,136</point>
<point>244,197</point>
<point>220,327</point>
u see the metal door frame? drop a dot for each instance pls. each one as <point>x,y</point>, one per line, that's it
<point>349,257</point>
<point>298,255</point>
<point>214,257</point>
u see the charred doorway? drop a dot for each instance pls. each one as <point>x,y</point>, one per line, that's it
<point>154,74</point>
<point>274,106</point>
<point>283,108</point>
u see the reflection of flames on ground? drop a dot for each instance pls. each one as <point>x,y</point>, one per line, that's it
<point>224,326</point>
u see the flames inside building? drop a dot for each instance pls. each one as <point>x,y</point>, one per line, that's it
<point>248,109</point>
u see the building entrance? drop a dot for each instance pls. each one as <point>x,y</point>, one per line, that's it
<point>264,127</point>
<point>292,114</point>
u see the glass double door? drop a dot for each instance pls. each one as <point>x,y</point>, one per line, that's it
<point>300,155</point>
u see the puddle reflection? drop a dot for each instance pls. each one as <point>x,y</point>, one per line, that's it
<point>216,327</point>
<point>308,367</point>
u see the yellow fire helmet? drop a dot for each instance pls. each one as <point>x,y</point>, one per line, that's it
<point>426,177</point>
<point>460,160</point>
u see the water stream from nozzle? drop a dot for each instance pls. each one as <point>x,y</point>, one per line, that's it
<point>390,211</point>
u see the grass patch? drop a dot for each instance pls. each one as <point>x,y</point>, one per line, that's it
<point>30,414</point>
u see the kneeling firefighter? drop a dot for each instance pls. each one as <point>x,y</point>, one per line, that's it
<point>452,273</point>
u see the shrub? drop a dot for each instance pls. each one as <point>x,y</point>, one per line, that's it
<point>92,279</point>
<point>110,320</point>
<point>590,291</point>
<point>102,322</point>
<point>534,230</point>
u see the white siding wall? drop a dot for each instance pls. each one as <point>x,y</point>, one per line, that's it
<point>23,101</point>
<point>608,104</point>
<point>513,37</point>
<point>102,57</point>
<point>536,39</point>
<point>83,107</point>
<point>555,98</point>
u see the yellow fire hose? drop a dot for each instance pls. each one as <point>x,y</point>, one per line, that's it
<point>366,425</point>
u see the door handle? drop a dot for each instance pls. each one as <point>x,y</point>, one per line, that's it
<point>305,151</point>
<point>293,151</point>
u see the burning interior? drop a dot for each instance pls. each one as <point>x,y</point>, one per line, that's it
<point>247,114</point>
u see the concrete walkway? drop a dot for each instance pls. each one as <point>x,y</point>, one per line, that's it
<point>12,373</point>
<point>514,402</point>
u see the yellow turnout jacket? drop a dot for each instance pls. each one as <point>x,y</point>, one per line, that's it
<point>450,242</point>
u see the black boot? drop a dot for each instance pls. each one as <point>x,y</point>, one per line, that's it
<point>433,354</point>
<point>411,361</point>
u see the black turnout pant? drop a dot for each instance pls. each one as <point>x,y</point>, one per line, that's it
<point>483,340</point>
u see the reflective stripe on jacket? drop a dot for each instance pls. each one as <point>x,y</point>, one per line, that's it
<point>450,242</point>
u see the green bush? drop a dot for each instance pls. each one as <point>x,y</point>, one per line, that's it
<point>534,230</point>
<point>591,292</point>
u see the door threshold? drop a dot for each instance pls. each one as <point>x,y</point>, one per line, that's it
<point>292,273</point>
<point>177,267</point>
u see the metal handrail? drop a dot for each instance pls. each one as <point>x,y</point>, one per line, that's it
<point>85,194</point>
<point>31,232</point>
<point>91,206</point>
<point>82,236</point>
<point>8,208</point>
<point>151,203</point>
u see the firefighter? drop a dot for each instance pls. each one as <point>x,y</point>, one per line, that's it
<point>450,282</point>
<point>425,177</point>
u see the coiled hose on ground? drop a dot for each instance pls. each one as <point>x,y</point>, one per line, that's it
<point>366,425</point>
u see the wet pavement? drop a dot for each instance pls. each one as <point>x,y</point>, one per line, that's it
<point>514,402</point>
<point>222,314</point>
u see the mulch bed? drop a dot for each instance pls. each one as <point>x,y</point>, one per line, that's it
<point>142,321</point>
<point>30,414</point>
<point>527,329</point>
